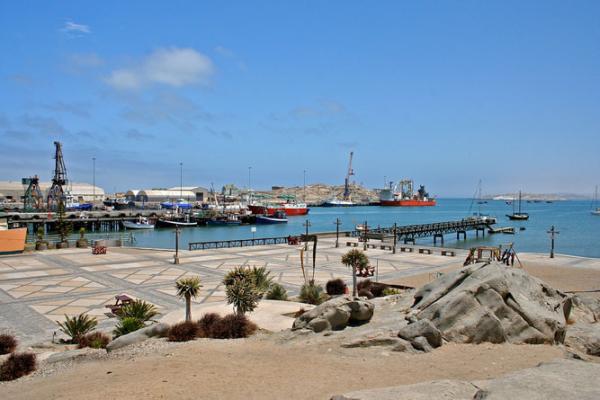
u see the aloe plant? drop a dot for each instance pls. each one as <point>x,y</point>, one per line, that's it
<point>78,326</point>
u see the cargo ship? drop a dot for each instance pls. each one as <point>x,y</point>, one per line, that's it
<point>290,209</point>
<point>11,240</point>
<point>401,195</point>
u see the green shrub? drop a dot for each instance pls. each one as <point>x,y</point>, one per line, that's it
<point>128,325</point>
<point>183,331</point>
<point>78,326</point>
<point>8,344</point>
<point>206,323</point>
<point>233,326</point>
<point>240,290</point>
<point>335,287</point>
<point>138,309</point>
<point>389,291</point>
<point>311,294</point>
<point>17,365</point>
<point>277,292</point>
<point>95,340</point>
<point>261,279</point>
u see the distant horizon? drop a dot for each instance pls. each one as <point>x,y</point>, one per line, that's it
<point>445,93</point>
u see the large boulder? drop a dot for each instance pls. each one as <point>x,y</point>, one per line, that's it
<point>556,380</point>
<point>423,335</point>
<point>493,303</point>
<point>335,314</point>
<point>138,336</point>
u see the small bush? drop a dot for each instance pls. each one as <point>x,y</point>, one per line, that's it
<point>375,288</point>
<point>299,312</point>
<point>277,292</point>
<point>95,340</point>
<point>8,344</point>
<point>238,273</point>
<point>261,279</point>
<point>206,323</point>
<point>242,294</point>
<point>183,331</point>
<point>17,365</point>
<point>78,326</point>
<point>311,294</point>
<point>128,325</point>
<point>389,291</point>
<point>139,309</point>
<point>233,326</point>
<point>365,293</point>
<point>335,287</point>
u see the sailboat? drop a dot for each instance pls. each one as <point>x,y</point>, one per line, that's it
<point>518,216</point>
<point>595,208</point>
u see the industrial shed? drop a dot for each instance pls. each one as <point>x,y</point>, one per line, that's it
<point>13,191</point>
<point>160,195</point>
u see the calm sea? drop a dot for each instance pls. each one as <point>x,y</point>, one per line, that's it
<point>579,229</point>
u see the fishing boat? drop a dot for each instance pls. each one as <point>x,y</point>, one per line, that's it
<point>335,202</point>
<point>595,208</point>
<point>179,204</point>
<point>290,209</point>
<point>401,195</point>
<point>279,217</point>
<point>518,216</point>
<point>172,223</point>
<point>11,240</point>
<point>230,220</point>
<point>141,223</point>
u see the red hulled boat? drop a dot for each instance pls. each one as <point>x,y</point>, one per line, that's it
<point>401,195</point>
<point>290,209</point>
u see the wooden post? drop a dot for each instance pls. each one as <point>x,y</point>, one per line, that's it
<point>365,237</point>
<point>552,233</point>
<point>395,238</point>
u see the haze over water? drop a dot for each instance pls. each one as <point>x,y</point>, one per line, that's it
<point>579,230</point>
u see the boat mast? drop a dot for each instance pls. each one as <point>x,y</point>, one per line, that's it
<point>519,202</point>
<point>349,173</point>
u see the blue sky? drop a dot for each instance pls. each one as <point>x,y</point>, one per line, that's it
<point>445,92</point>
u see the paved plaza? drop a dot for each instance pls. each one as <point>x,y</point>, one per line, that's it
<point>37,289</point>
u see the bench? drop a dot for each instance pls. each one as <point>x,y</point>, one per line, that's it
<point>385,247</point>
<point>351,244</point>
<point>449,253</point>
<point>121,300</point>
<point>424,251</point>
<point>371,246</point>
<point>99,250</point>
<point>406,249</point>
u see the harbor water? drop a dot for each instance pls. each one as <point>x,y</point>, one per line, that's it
<point>579,229</point>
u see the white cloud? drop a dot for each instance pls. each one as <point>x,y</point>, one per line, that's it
<point>72,27</point>
<point>170,66</point>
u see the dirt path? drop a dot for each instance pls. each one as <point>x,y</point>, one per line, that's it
<point>262,369</point>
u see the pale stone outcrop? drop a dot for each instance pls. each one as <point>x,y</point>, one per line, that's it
<point>335,314</point>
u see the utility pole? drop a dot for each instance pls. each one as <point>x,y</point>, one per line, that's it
<point>365,236</point>
<point>306,225</point>
<point>181,180</point>
<point>93,180</point>
<point>176,260</point>
<point>337,232</point>
<point>552,233</point>
<point>395,238</point>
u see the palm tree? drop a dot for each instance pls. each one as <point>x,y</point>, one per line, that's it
<point>188,288</point>
<point>355,259</point>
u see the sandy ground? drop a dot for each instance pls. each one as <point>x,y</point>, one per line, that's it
<point>262,369</point>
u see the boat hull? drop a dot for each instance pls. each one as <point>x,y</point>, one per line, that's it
<point>137,225</point>
<point>518,217</point>
<point>12,240</point>
<point>289,211</point>
<point>407,203</point>
<point>163,223</point>
<point>223,223</point>
<point>270,220</point>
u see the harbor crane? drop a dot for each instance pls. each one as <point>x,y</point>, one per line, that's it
<point>347,180</point>
<point>56,194</point>
<point>33,199</point>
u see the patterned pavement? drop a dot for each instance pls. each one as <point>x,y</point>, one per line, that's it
<point>37,289</point>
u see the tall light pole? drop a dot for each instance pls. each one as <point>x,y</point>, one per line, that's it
<point>93,179</point>
<point>181,180</point>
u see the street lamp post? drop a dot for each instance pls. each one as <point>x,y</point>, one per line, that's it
<point>337,232</point>
<point>306,225</point>
<point>553,232</point>
<point>395,238</point>
<point>176,259</point>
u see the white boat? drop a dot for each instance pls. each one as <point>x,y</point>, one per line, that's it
<point>141,223</point>
<point>335,202</point>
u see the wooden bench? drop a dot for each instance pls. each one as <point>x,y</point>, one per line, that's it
<point>371,246</point>
<point>99,250</point>
<point>406,249</point>
<point>351,244</point>
<point>385,247</point>
<point>424,251</point>
<point>121,300</point>
<point>449,253</point>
